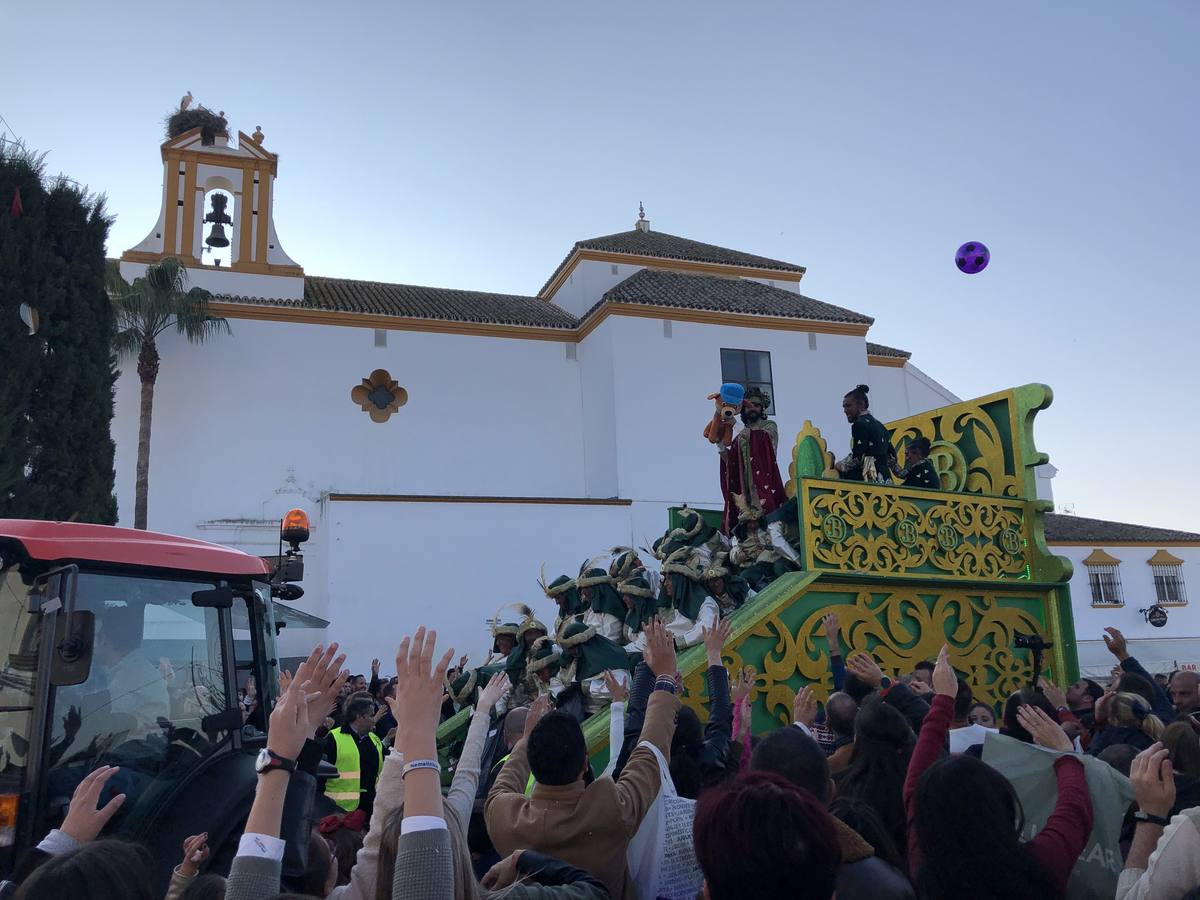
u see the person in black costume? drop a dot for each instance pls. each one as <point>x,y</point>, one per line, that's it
<point>871,452</point>
<point>920,472</point>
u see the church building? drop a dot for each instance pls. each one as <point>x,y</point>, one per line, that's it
<point>447,444</point>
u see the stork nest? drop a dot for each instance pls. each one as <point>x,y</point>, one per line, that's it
<point>209,123</point>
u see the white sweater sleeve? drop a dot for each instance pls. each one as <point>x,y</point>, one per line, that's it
<point>616,734</point>
<point>461,796</point>
<point>1174,866</point>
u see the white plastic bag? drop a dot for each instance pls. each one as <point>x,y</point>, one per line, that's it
<point>661,858</point>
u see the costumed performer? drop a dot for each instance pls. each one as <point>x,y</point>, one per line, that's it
<point>748,465</point>
<point>565,593</point>
<point>640,608</point>
<point>754,553</point>
<point>585,658</point>
<point>694,609</point>
<point>871,453</point>
<point>605,611</point>
<point>626,563</point>
<point>920,471</point>
<point>728,589</point>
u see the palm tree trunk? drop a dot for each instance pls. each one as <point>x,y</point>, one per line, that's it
<point>148,373</point>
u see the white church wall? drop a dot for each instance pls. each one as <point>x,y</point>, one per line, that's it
<point>1175,645</point>
<point>449,566</point>
<point>588,282</point>
<point>595,371</point>
<point>661,384</point>
<point>485,416</point>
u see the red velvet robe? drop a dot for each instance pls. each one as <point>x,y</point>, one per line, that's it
<point>750,460</point>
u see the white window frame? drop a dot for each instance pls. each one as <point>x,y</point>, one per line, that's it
<point>1168,579</point>
<point>1108,579</point>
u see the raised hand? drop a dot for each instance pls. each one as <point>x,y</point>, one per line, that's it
<point>375,667</point>
<point>84,821</point>
<point>503,873</point>
<point>743,683</point>
<point>945,682</point>
<point>660,649</point>
<point>1153,781</point>
<point>1044,730</point>
<point>537,710</point>
<point>1053,693</point>
<point>715,638</point>
<point>1116,644</point>
<point>323,673</point>
<point>619,691</point>
<point>832,626</point>
<point>804,707</point>
<point>417,702</point>
<point>195,854</point>
<point>289,724</point>
<point>865,668</point>
<point>920,688</point>
<point>496,688</point>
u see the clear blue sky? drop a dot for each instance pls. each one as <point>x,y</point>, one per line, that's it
<point>468,144</point>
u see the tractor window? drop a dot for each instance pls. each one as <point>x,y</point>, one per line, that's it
<point>157,672</point>
<point>19,663</point>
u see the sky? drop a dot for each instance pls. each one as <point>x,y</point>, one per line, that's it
<point>469,144</point>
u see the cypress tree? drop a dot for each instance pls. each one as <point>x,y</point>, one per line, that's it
<point>56,397</point>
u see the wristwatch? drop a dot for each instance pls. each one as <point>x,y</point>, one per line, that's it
<point>1151,818</point>
<point>885,684</point>
<point>268,761</point>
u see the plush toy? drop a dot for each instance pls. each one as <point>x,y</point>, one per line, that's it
<point>728,402</point>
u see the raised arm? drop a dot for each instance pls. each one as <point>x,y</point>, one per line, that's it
<point>930,742</point>
<point>461,795</point>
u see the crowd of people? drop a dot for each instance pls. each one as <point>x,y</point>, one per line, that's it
<point>885,790</point>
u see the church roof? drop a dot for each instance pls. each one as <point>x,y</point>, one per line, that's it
<point>734,295</point>
<point>883,350</point>
<point>414,301</point>
<point>660,245</point>
<point>1074,529</point>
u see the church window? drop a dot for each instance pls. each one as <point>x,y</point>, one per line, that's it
<point>1167,570</point>
<point>1104,579</point>
<point>379,395</point>
<point>749,368</point>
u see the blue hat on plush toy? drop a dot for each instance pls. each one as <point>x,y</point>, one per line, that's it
<point>732,393</point>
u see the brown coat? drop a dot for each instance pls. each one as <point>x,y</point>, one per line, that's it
<point>589,827</point>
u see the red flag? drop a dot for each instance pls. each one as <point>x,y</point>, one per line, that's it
<point>17,209</point>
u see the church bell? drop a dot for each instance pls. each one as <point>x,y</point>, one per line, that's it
<point>216,237</point>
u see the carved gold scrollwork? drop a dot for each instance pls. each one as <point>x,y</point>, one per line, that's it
<point>899,627</point>
<point>854,527</point>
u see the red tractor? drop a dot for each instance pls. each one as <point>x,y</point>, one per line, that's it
<point>145,651</point>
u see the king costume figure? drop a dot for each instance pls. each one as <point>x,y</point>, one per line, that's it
<point>748,466</point>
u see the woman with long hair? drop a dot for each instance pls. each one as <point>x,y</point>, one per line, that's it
<point>965,818</point>
<point>883,743</point>
<point>1126,719</point>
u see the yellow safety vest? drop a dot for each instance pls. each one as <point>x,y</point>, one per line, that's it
<point>346,789</point>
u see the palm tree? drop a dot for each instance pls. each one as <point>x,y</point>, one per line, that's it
<point>156,302</point>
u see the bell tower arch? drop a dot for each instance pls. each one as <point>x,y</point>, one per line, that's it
<point>217,217</point>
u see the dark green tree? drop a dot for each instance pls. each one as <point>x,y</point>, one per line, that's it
<point>56,386</point>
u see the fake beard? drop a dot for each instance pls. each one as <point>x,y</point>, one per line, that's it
<point>750,416</point>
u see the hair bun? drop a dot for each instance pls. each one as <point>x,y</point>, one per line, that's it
<point>863,388</point>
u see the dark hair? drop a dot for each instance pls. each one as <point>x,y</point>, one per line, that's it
<point>922,446</point>
<point>1133,683</point>
<point>858,689</point>
<point>346,844</point>
<point>1094,690</point>
<point>1119,756</point>
<point>963,700</point>
<point>859,395</point>
<point>764,837</point>
<point>792,754</point>
<point>883,743</point>
<point>316,869</point>
<point>840,712</point>
<point>208,886</point>
<point>967,819</point>
<point>687,747</point>
<point>925,665</point>
<point>357,706</point>
<point>1017,699</point>
<point>1180,740</point>
<point>867,824</point>
<point>557,750</point>
<point>99,870</point>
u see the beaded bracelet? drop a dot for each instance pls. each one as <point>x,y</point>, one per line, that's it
<point>420,764</point>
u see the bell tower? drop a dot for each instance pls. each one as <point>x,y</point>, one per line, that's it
<point>217,218</point>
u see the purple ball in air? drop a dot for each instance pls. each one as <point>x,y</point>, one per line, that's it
<point>972,258</point>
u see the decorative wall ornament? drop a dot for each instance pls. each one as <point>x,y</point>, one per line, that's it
<point>379,395</point>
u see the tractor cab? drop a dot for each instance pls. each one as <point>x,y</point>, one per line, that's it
<point>145,651</point>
